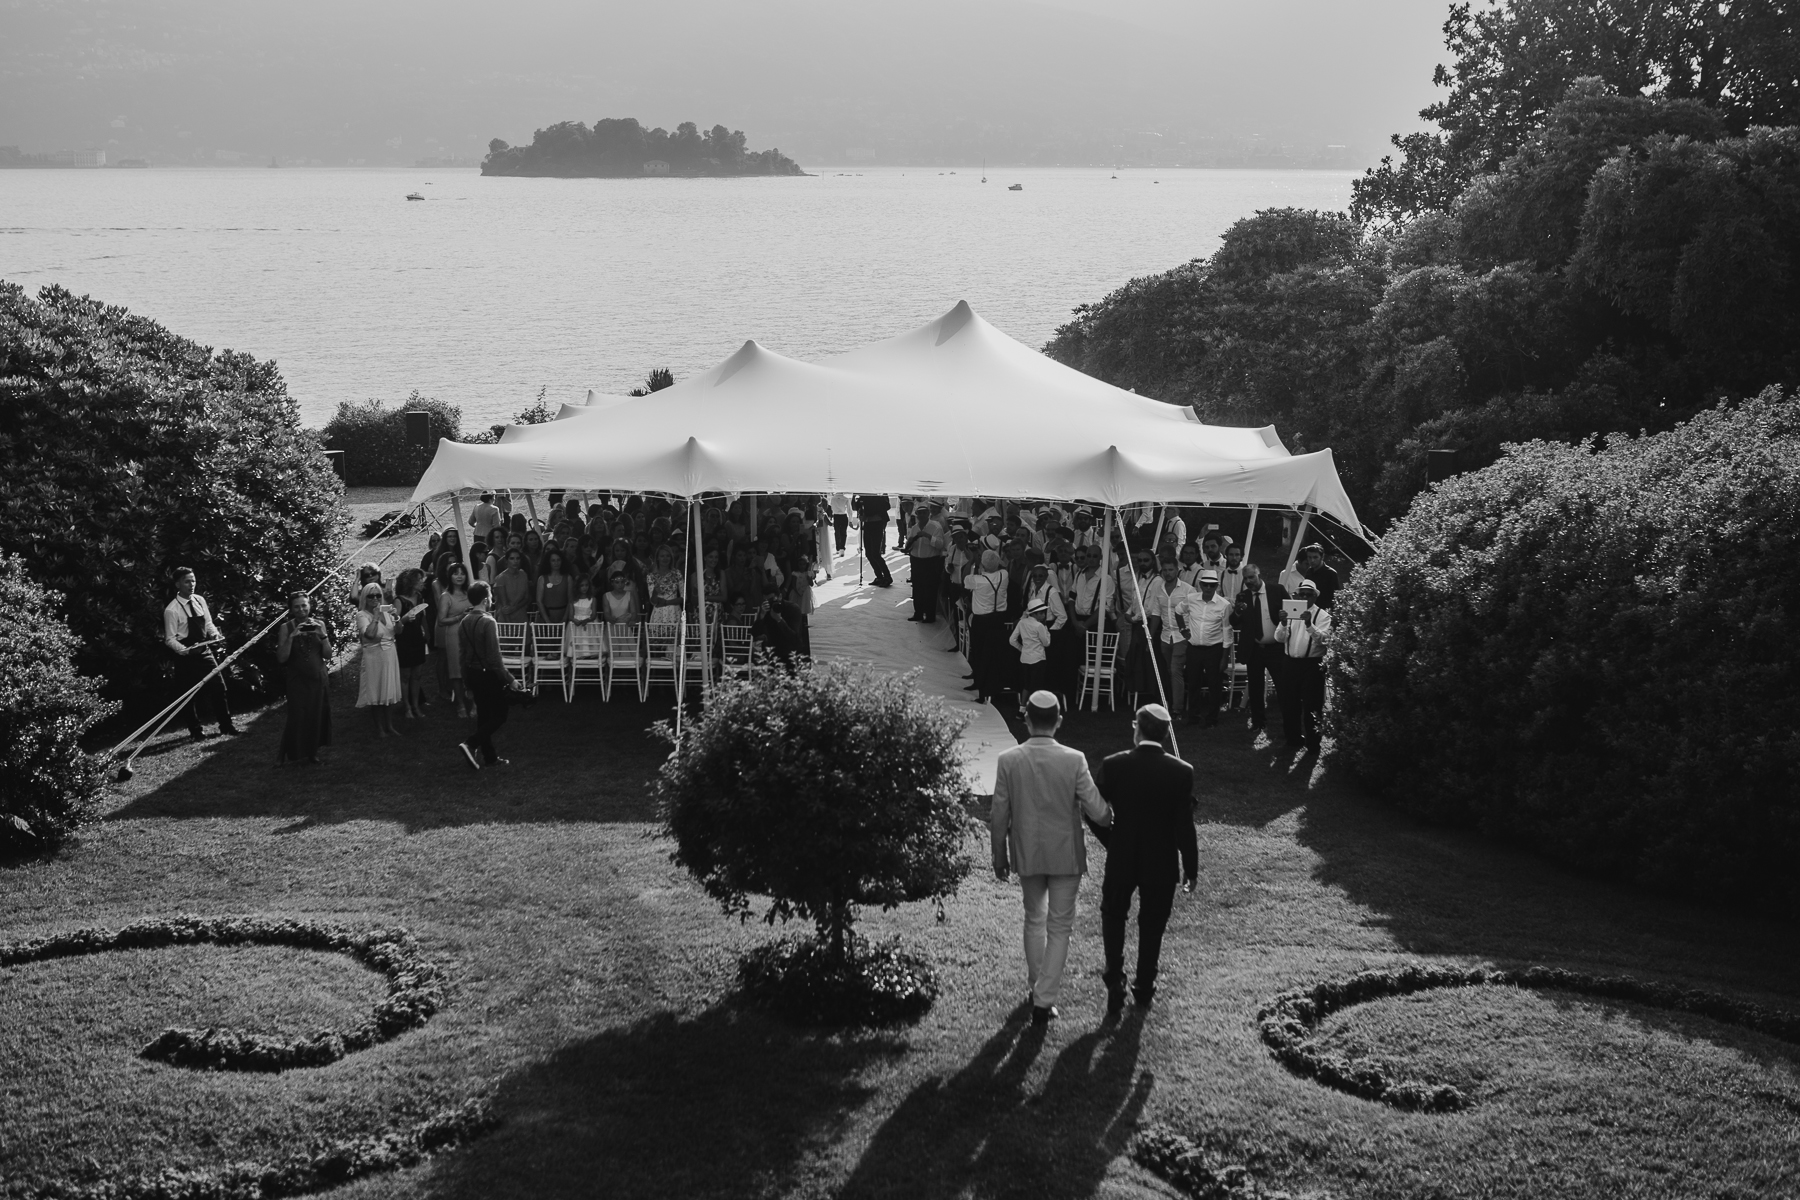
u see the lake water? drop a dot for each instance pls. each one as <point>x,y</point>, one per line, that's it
<point>493,288</point>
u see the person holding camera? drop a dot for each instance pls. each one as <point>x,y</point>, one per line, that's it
<point>486,674</point>
<point>1303,637</point>
<point>190,635</point>
<point>304,648</point>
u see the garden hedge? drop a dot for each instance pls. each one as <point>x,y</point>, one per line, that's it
<point>48,783</point>
<point>1592,651</point>
<point>372,437</point>
<point>128,451</point>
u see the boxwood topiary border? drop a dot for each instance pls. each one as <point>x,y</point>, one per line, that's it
<point>328,1166</point>
<point>1290,1021</point>
<point>415,985</point>
<point>1196,1170</point>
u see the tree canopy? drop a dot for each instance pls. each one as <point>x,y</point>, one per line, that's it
<point>1628,264</point>
<point>620,147</point>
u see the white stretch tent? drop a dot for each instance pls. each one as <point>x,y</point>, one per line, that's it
<point>955,408</point>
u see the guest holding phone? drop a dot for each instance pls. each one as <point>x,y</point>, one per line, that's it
<point>304,648</point>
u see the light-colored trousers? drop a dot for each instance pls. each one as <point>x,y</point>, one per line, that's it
<point>1049,919</point>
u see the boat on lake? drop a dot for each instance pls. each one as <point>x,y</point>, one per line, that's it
<point>414,196</point>
<point>1017,187</point>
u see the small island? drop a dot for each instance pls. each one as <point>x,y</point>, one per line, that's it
<point>617,148</point>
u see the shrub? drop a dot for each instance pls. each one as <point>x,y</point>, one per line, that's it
<point>48,783</point>
<point>803,980</point>
<point>129,451</point>
<point>825,788</point>
<point>1591,651</point>
<point>373,439</point>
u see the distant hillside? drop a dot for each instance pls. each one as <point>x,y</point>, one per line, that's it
<point>615,148</point>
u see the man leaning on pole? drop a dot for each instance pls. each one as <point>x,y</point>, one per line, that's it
<point>1041,790</point>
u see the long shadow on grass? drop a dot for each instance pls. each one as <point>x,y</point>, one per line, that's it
<point>584,761</point>
<point>981,1130</point>
<point>723,1104</point>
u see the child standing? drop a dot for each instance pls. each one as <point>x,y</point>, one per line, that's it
<point>1031,638</point>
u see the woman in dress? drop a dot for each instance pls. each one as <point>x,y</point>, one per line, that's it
<point>665,589</point>
<point>712,576</point>
<point>512,589</point>
<point>412,644</point>
<point>478,559</point>
<point>304,648</point>
<point>451,543</point>
<point>553,588</point>
<point>452,607</point>
<point>586,635</point>
<point>620,602</point>
<point>380,687</point>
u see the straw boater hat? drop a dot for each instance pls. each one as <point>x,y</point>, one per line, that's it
<point>1209,576</point>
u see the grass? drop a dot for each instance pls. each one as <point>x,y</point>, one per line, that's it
<point>591,980</point>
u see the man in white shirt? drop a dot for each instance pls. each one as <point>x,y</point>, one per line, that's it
<point>1163,601</point>
<point>188,632</point>
<point>1205,619</point>
<point>485,517</point>
<point>1090,591</point>
<point>1085,533</point>
<point>1190,565</point>
<point>1041,791</point>
<point>925,547</point>
<point>1304,639</point>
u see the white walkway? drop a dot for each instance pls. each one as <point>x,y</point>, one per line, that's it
<point>863,623</point>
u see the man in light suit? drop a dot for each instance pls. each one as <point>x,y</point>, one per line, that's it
<point>1151,847</point>
<point>1041,790</point>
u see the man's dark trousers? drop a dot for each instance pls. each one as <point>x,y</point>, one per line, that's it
<point>1149,849</point>
<point>875,546</point>
<point>1259,659</point>
<point>1205,679</point>
<point>840,529</point>
<point>491,700</point>
<point>191,668</point>
<point>926,573</point>
<point>1301,687</point>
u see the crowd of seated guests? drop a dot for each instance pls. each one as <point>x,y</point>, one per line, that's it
<point>621,560</point>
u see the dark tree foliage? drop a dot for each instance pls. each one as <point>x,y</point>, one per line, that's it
<point>621,147</point>
<point>1515,59</point>
<point>129,451</point>
<point>826,788</point>
<point>1590,651</point>
<point>1628,266</point>
<point>658,379</point>
<point>48,783</point>
<point>372,436</point>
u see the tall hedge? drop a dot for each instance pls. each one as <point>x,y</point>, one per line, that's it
<point>48,783</point>
<point>127,451</point>
<point>373,439</point>
<point>1594,652</point>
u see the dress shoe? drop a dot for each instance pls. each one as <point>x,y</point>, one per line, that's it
<point>1043,1014</point>
<point>229,730</point>
<point>1143,998</point>
<point>1115,1001</point>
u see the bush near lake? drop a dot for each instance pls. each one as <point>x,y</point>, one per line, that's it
<point>825,788</point>
<point>130,451</point>
<point>1620,262</point>
<point>48,783</point>
<point>372,436</point>
<point>1592,651</point>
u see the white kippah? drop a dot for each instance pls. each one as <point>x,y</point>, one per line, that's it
<point>1044,701</point>
<point>1155,711</point>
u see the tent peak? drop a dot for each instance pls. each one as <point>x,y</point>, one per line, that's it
<point>954,321</point>
<point>740,358</point>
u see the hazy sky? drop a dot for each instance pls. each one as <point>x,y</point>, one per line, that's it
<point>944,80</point>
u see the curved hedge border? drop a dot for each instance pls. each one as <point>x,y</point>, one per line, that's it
<point>1289,1021</point>
<point>1196,1170</point>
<point>415,985</point>
<point>329,1166</point>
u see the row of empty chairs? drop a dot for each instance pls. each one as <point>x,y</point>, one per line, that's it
<point>644,655</point>
<point>1100,671</point>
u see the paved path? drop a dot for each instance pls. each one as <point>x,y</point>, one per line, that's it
<point>864,623</point>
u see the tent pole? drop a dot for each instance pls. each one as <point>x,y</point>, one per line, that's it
<point>681,658</point>
<point>1250,536</point>
<point>531,503</point>
<point>462,538</point>
<point>1155,670</point>
<point>750,501</point>
<point>705,621</point>
<point>1101,596</point>
<point>1299,540</point>
<point>1156,544</point>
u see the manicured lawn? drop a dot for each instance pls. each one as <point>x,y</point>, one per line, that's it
<point>591,997</point>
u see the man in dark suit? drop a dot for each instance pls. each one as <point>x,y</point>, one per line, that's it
<point>1149,849</point>
<point>873,510</point>
<point>1256,617</point>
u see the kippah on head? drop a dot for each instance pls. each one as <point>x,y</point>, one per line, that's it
<point>1043,707</point>
<point>1153,721</point>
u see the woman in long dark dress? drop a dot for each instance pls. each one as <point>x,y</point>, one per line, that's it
<point>304,649</point>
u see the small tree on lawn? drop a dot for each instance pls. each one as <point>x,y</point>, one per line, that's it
<point>827,788</point>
